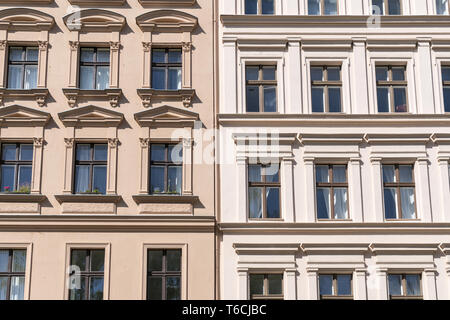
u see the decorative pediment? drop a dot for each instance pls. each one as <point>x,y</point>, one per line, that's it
<point>18,115</point>
<point>94,20</point>
<point>25,19</point>
<point>166,3</point>
<point>167,20</point>
<point>166,115</point>
<point>91,116</point>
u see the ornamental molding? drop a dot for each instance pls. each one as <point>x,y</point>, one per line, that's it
<point>91,116</point>
<point>23,116</point>
<point>167,20</point>
<point>166,116</point>
<point>167,3</point>
<point>94,3</point>
<point>25,19</point>
<point>96,20</point>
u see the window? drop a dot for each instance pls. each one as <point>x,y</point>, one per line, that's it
<point>266,287</point>
<point>264,191</point>
<point>166,166</point>
<point>23,67</point>
<point>332,191</point>
<point>446,87</point>
<point>261,88</point>
<point>164,274</point>
<point>405,286</point>
<point>91,267</point>
<point>90,168</point>
<point>94,68</point>
<point>12,274</point>
<point>166,69</point>
<point>391,89</point>
<point>399,192</point>
<point>335,286</point>
<point>322,7</point>
<point>386,7</point>
<point>16,167</point>
<point>259,7</point>
<point>326,87</point>
<point>441,6</point>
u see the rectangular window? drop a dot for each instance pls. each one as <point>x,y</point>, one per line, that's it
<point>335,286</point>
<point>399,192</point>
<point>266,286</point>
<point>391,89</point>
<point>90,168</point>
<point>164,274</point>
<point>16,167</point>
<point>261,88</point>
<point>264,191</point>
<point>166,167</point>
<point>405,286</point>
<point>12,274</point>
<point>259,7</point>
<point>441,6</point>
<point>94,68</point>
<point>445,70</point>
<point>89,268</point>
<point>332,192</point>
<point>322,7</point>
<point>23,67</point>
<point>166,69</point>
<point>386,7</point>
<point>326,88</point>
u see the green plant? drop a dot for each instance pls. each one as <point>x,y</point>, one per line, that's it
<point>25,188</point>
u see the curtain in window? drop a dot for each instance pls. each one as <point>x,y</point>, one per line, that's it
<point>3,287</point>
<point>82,179</point>
<point>87,78</point>
<point>17,288</point>
<point>408,206</point>
<point>174,180</point>
<point>340,203</point>
<point>102,78</point>
<point>442,6</point>
<point>255,200</point>
<point>323,203</point>
<point>15,76</point>
<point>30,77</point>
<point>390,203</point>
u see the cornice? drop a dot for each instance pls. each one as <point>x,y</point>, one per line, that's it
<point>17,197</point>
<point>89,198</point>
<point>165,199</point>
<point>403,248</point>
<point>167,3</point>
<point>338,248</point>
<point>94,3</point>
<point>23,116</point>
<point>91,116</point>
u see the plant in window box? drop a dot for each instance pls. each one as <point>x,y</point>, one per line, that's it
<point>24,189</point>
<point>7,189</point>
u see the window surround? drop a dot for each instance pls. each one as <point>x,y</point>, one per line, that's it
<point>154,25</point>
<point>29,253</point>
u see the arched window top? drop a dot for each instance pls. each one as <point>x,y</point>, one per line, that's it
<point>94,20</point>
<point>24,19</point>
<point>167,20</point>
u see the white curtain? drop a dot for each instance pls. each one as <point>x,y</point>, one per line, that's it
<point>17,288</point>
<point>255,201</point>
<point>340,203</point>
<point>82,179</point>
<point>408,206</point>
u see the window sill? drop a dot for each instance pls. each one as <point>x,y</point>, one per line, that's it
<point>402,220</point>
<point>165,199</point>
<point>265,220</point>
<point>166,204</point>
<point>22,197</point>
<point>90,198</point>
<point>112,95</point>
<point>40,95</point>
<point>185,95</point>
<point>335,220</point>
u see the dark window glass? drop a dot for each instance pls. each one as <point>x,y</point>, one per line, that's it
<point>164,274</point>
<point>388,7</point>
<point>264,191</point>
<point>326,86</point>
<point>90,168</point>
<point>23,67</point>
<point>405,286</point>
<point>94,68</point>
<point>16,167</point>
<point>266,286</point>
<point>391,89</point>
<point>322,7</point>
<point>259,7</point>
<point>331,192</point>
<point>166,69</point>
<point>12,274</point>
<point>261,88</point>
<point>166,163</point>
<point>87,277</point>
<point>446,87</point>
<point>442,6</point>
<point>335,286</point>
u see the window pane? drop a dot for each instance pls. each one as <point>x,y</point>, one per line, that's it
<point>8,175</point>
<point>395,285</point>
<point>154,288</point>
<point>255,202</point>
<point>330,7</point>
<point>398,73</point>
<point>334,73</point>
<point>4,258</point>
<point>313,7</point>
<point>326,285</point>
<point>254,173</point>
<point>30,77</point>
<point>97,260</point>
<point>175,56</point>
<point>32,54</point>
<point>173,288</point>
<point>323,203</point>
<point>158,78</point>
<point>270,99</point>
<point>335,99</point>
<point>447,99</point>
<point>442,6</point>
<point>389,174</point>
<point>155,258</point>
<point>102,78</point>
<point>275,283</point>
<point>15,77</point>
<point>383,99</point>
<point>322,174</point>
<point>82,179</point>
<point>99,180</point>
<point>344,285</point>
<point>316,73</point>
<point>3,287</point>
<point>408,203</point>
<point>26,152</point>
<point>87,54</point>
<point>16,54</point>
<point>100,152</point>
<point>273,202</point>
<point>340,203</point>
<point>340,174</point>
<point>83,152</point>
<point>394,7</point>
<point>412,285</point>
<point>174,78</point>
<point>159,56</point>
<point>87,77</point>
<point>256,284</point>
<point>406,173</point>
<point>78,258</point>
<point>96,288</point>
<point>173,258</point>
<point>252,99</point>
<point>267,7</point>
<point>272,173</point>
<point>174,180</point>
<point>317,99</point>
<point>390,203</point>
<point>157,175</point>
<point>445,73</point>
<point>24,179</point>
<point>269,73</point>
<point>252,73</point>
<point>9,152</point>
<point>175,153</point>
<point>251,6</point>
<point>400,100</point>
<point>103,55</point>
<point>79,293</point>
<point>17,288</point>
<point>382,73</point>
<point>158,152</point>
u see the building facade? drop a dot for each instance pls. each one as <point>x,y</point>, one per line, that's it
<point>334,130</point>
<point>102,194</point>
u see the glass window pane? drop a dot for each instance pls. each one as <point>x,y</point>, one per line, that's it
<point>400,100</point>
<point>267,7</point>
<point>82,179</point>
<point>413,285</point>
<point>317,98</point>
<point>323,203</point>
<point>390,203</point>
<point>17,288</point>
<point>395,284</point>
<point>269,73</point>
<point>174,56</point>
<point>275,283</point>
<point>334,94</point>
<point>16,54</point>
<point>30,77</point>
<point>173,288</point>
<point>173,258</point>
<point>255,202</point>
<point>252,73</point>
<point>3,287</point>
<point>87,78</point>
<point>344,285</point>
<point>314,7</point>
<point>383,99</point>
<point>32,54</point>
<point>174,179</point>
<point>15,77</point>
<point>155,258</point>
<point>252,99</point>
<point>270,98</point>
<point>158,55</point>
<point>78,258</point>
<point>394,7</point>
<point>87,55</point>
<point>24,179</point>
<point>83,152</point>
<point>316,73</point>
<point>97,260</point>
<point>398,73</point>
<point>377,7</point>
<point>441,6</point>
<point>158,78</point>
<point>26,152</point>
<point>96,288</point>
<point>330,7</point>
<point>382,73</point>
<point>4,260</point>
<point>326,285</point>
<point>340,203</point>
<point>158,152</point>
<point>154,288</point>
<point>340,173</point>
<point>389,174</point>
<point>254,173</point>
<point>9,152</point>
<point>100,152</point>
<point>79,293</point>
<point>8,176</point>
<point>334,73</point>
<point>102,78</point>
<point>447,99</point>
<point>103,55</point>
<point>251,6</point>
<point>445,73</point>
<point>174,78</point>
<point>175,153</point>
<point>157,176</point>
<point>272,172</point>
<point>273,203</point>
<point>322,174</point>
<point>408,203</point>
<point>256,284</point>
<point>406,173</point>
<point>99,180</point>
